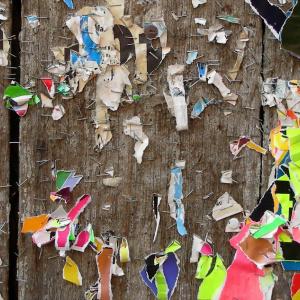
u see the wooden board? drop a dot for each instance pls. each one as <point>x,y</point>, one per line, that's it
<point>205,146</point>
<point>5,184</point>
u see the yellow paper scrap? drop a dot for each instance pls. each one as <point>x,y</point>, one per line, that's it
<point>71,272</point>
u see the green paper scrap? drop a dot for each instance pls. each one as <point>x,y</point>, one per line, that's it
<point>162,286</point>
<point>61,177</point>
<point>293,135</point>
<point>63,89</point>
<point>295,178</point>
<point>136,98</point>
<point>173,247</point>
<point>267,228</point>
<point>203,266</point>
<point>211,283</point>
<point>230,19</point>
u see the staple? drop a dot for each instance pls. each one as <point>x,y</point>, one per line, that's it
<point>26,41</point>
<point>9,78</point>
<point>82,119</point>
<point>207,196</point>
<point>194,83</point>
<point>39,199</point>
<point>42,162</point>
<point>249,65</point>
<point>15,142</point>
<point>5,186</point>
<point>9,67</point>
<point>64,37</point>
<point>93,102</point>
<point>20,184</point>
<point>19,279</point>
<point>171,226</point>
<point>154,55</point>
<point>189,193</point>
<point>90,181</point>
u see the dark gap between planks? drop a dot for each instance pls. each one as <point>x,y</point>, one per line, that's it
<point>14,131</point>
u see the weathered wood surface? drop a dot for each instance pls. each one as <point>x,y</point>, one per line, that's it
<point>4,174</point>
<point>205,146</point>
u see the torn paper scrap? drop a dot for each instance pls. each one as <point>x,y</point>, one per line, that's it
<point>274,91</point>
<point>213,274</point>
<point>58,112</point>
<point>225,207</point>
<point>199,247</point>
<point>295,287</point>
<point>124,251</point>
<point>229,19</point>
<point>237,146</point>
<point>33,21</point>
<point>83,239</point>
<point>200,106</point>
<point>161,271</point>
<point>65,182</point>
<point>216,79</point>
<point>33,224</point>
<point>4,48</point>
<point>191,56</point>
<point>69,4</point>
<point>156,199</point>
<point>268,226</point>
<point>196,3</point>
<point>112,182</point>
<point>226,177</point>
<point>104,264</point>
<point>49,84</point>
<point>233,225</point>
<point>176,97</point>
<point>240,50</point>
<point>18,98</point>
<point>133,127</point>
<point>111,84</point>
<point>102,124</point>
<point>71,272</point>
<point>202,71</point>
<point>215,33</point>
<point>175,197</point>
<point>46,101</point>
<point>200,21</point>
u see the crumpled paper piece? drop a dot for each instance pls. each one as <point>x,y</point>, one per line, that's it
<point>133,127</point>
<point>176,97</point>
<point>216,79</point>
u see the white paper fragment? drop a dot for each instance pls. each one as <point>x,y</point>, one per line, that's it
<point>58,112</point>
<point>196,247</point>
<point>5,50</point>
<point>109,171</point>
<point>233,225</point>
<point>225,207</point>
<point>191,56</point>
<point>216,79</point>
<point>176,98</point>
<point>33,21</point>
<point>133,127</point>
<point>200,21</point>
<point>240,50</point>
<point>227,112</point>
<point>196,3</point>
<point>112,181</point>
<point>46,101</point>
<point>111,84</point>
<point>274,91</point>
<point>215,33</point>
<point>226,177</point>
<point>155,207</point>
